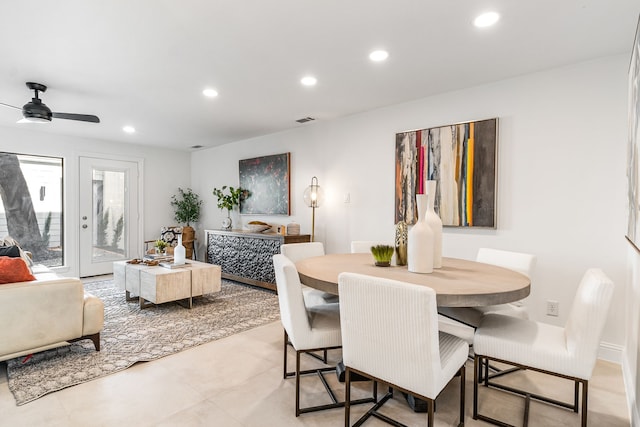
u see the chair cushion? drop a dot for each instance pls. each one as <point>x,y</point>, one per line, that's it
<point>324,317</point>
<point>529,343</point>
<point>13,270</point>
<point>10,251</point>
<point>455,328</point>
<point>453,355</point>
<point>170,235</point>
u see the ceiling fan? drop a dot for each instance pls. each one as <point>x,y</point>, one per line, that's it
<point>37,111</point>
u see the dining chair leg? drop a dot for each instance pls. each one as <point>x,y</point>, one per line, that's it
<point>284,351</point>
<point>297,383</point>
<point>347,398</point>
<point>462,388</point>
<point>476,369</point>
<point>585,392</point>
<point>430,403</point>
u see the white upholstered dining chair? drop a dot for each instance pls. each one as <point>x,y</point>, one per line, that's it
<point>568,352</point>
<point>462,321</point>
<point>299,251</point>
<point>402,348</point>
<point>363,246</point>
<point>306,328</point>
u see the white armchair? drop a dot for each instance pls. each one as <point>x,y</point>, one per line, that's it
<point>568,352</point>
<point>402,348</point>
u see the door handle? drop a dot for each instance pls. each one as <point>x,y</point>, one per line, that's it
<point>84,225</point>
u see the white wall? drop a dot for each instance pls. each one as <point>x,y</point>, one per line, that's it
<point>561,176</point>
<point>164,171</point>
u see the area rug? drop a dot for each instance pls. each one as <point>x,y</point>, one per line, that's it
<point>133,335</point>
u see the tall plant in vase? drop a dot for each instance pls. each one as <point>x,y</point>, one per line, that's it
<point>228,202</point>
<point>187,205</point>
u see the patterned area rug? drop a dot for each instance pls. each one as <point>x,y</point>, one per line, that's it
<point>132,335</point>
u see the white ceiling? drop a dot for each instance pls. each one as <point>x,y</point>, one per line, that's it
<point>145,62</point>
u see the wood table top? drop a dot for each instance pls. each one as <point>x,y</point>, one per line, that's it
<point>459,283</point>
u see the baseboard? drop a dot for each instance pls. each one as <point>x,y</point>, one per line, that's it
<point>630,391</point>
<point>610,352</point>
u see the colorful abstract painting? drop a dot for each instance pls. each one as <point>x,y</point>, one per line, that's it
<point>462,159</point>
<point>634,134</point>
<point>266,181</point>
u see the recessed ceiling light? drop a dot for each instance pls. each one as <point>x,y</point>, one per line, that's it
<point>309,81</point>
<point>211,93</point>
<point>486,19</point>
<point>129,129</point>
<point>378,55</point>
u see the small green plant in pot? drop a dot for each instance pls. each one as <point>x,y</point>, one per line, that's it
<point>382,255</point>
<point>228,202</point>
<point>161,246</point>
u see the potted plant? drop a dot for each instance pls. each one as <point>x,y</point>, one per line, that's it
<point>228,202</point>
<point>187,206</point>
<point>161,246</point>
<point>382,254</point>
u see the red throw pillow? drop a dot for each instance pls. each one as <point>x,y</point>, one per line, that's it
<point>14,270</point>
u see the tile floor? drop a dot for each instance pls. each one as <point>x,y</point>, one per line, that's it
<point>237,381</point>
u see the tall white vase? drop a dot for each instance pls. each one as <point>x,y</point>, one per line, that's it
<point>179,252</point>
<point>435,223</point>
<point>420,245</point>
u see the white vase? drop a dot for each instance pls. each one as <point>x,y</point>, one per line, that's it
<point>179,252</point>
<point>435,223</point>
<point>420,241</point>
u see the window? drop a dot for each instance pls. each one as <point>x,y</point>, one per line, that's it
<point>31,211</point>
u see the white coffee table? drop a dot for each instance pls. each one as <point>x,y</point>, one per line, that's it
<point>156,285</point>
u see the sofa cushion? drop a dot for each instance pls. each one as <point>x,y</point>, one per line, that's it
<point>10,251</point>
<point>170,235</point>
<point>14,270</point>
<point>26,256</point>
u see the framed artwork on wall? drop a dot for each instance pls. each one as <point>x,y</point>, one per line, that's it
<point>266,180</point>
<point>632,151</point>
<point>462,159</point>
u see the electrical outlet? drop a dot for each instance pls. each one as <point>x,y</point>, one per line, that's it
<point>553,308</point>
<point>347,198</point>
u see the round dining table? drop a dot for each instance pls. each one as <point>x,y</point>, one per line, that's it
<point>458,283</point>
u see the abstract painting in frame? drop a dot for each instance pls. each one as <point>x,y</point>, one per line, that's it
<point>634,133</point>
<point>461,158</point>
<point>266,180</point>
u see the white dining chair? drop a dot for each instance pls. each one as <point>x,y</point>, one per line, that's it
<point>459,320</point>
<point>307,329</point>
<point>299,251</point>
<point>568,352</point>
<point>402,348</point>
<point>363,246</point>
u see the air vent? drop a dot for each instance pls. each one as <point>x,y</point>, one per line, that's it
<point>305,120</point>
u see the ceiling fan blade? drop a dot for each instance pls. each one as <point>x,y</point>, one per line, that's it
<point>79,117</point>
<point>10,106</point>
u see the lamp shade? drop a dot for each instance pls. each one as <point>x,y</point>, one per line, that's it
<point>314,195</point>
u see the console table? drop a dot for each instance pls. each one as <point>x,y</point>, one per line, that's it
<point>247,257</point>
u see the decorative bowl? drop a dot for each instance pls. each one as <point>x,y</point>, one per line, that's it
<point>257,228</point>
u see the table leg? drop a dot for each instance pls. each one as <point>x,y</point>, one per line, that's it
<point>145,304</point>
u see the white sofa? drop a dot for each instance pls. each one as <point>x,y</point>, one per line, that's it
<point>47,313</point>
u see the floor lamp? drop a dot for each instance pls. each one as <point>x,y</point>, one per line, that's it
<point>313,197</point>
